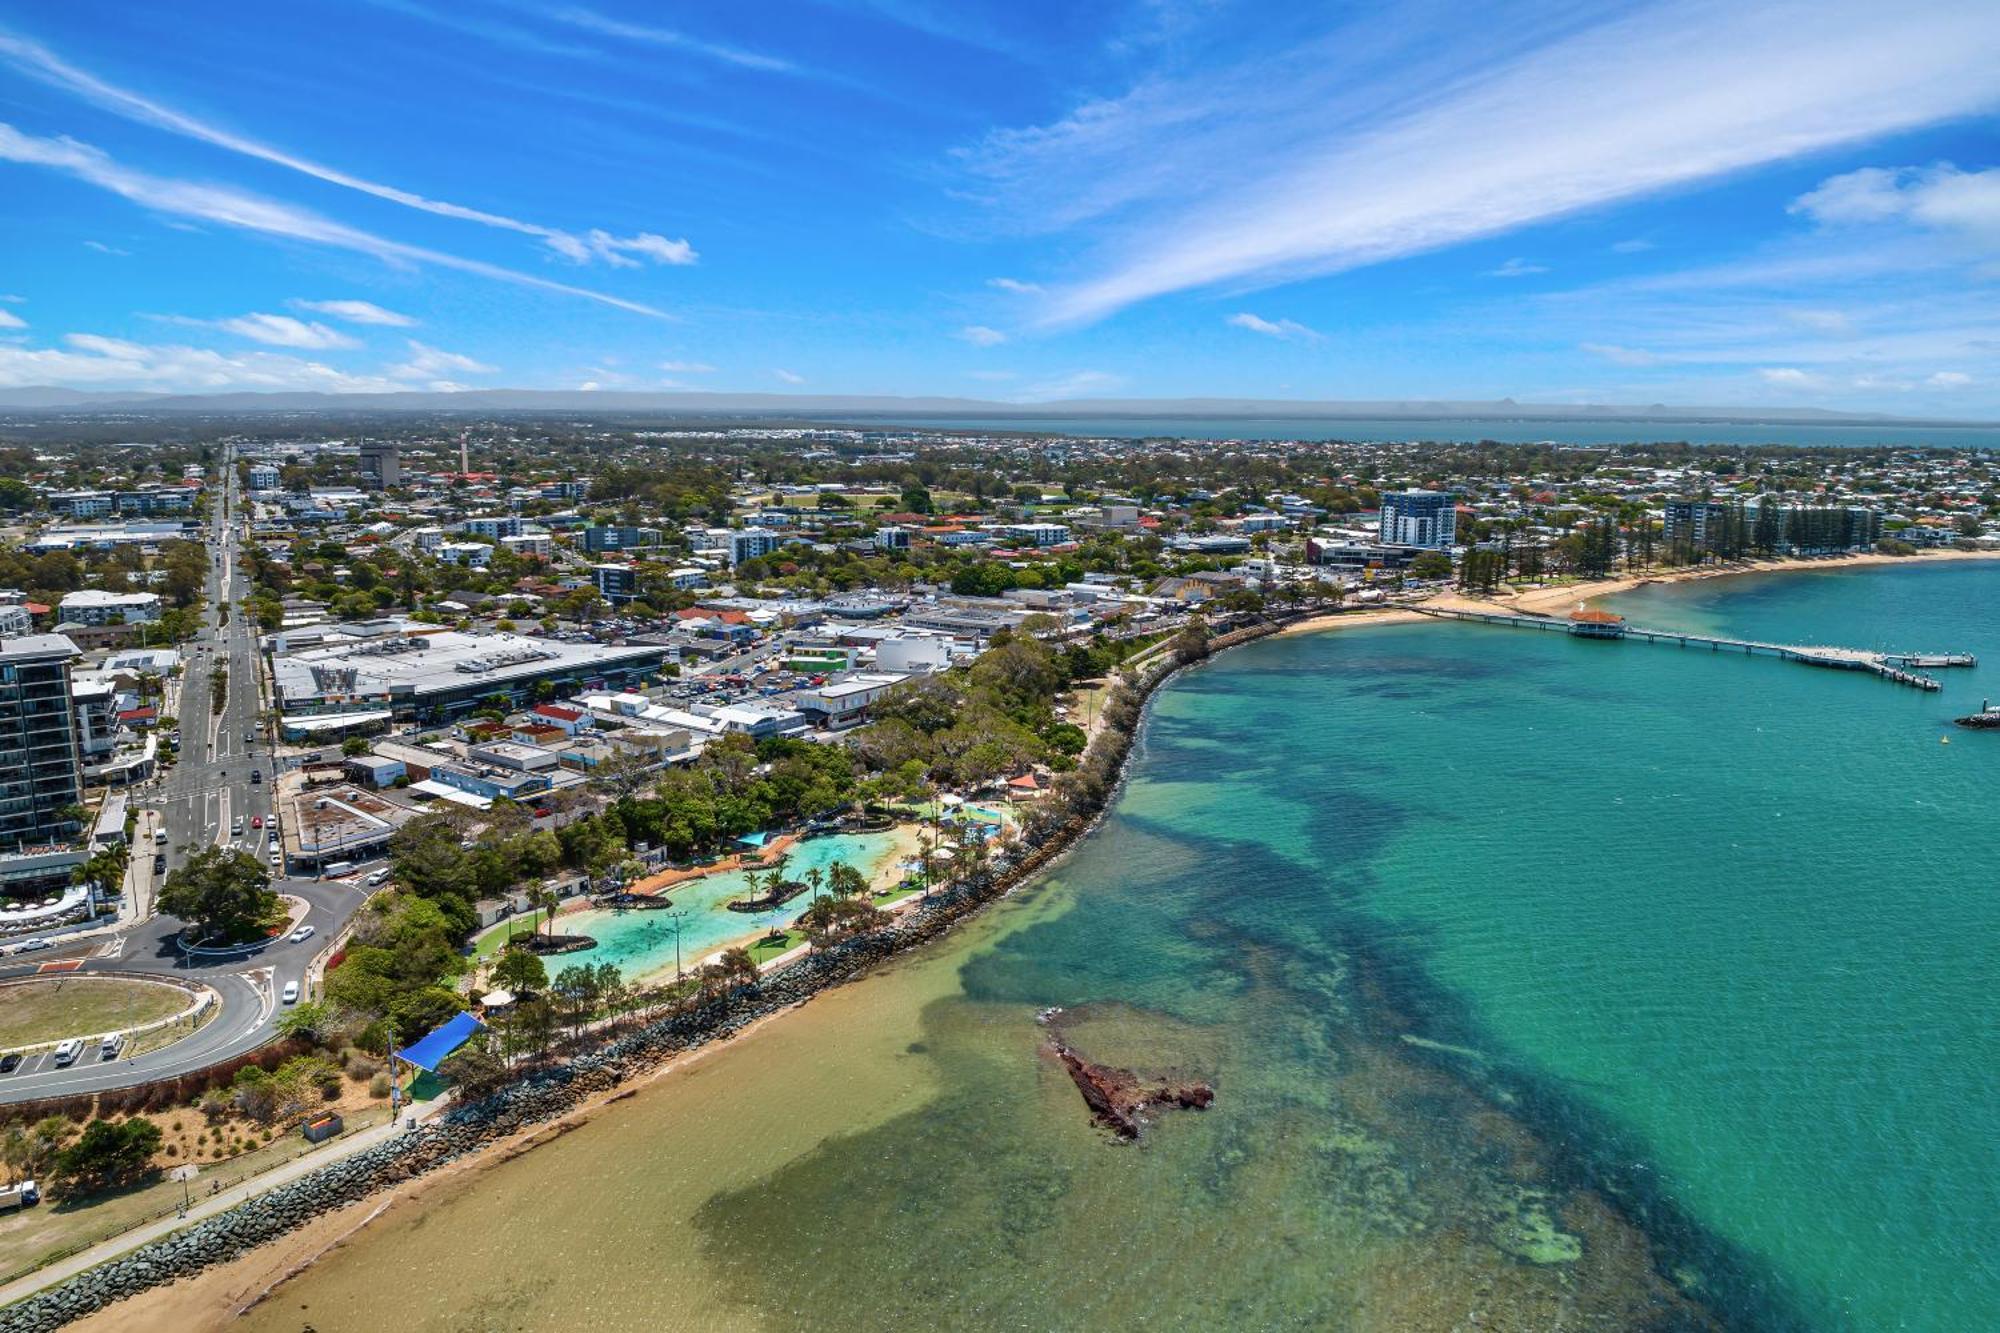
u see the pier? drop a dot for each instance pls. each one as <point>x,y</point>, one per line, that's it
<point>1893,667</point>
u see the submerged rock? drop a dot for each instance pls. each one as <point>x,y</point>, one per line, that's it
<point>1120,1098</point>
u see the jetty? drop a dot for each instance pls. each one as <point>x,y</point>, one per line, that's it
<point>1595,624</point>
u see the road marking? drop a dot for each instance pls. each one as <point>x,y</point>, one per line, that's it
<point>113,948</point>
<point>66,965</point>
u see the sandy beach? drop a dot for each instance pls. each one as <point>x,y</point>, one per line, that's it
<point>215,1298</point>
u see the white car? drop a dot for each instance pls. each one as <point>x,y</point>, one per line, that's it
<point>291,992</point>
<point>302,933</point>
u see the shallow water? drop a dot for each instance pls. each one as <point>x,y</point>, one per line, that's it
<point>642,943</point>
<point>1554,983</point>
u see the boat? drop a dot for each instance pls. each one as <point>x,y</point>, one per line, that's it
<point>1986,719</point>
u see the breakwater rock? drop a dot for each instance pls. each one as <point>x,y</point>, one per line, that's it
<point>1119,1099</point>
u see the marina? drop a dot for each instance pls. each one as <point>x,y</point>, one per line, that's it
<point>1588,623</point>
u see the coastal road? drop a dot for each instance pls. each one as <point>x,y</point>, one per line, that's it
<point>201,799</point>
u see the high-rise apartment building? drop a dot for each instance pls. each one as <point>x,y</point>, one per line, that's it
<point>1419,518</point>
<point>41,770</point>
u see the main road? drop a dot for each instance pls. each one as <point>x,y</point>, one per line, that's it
<point>206,799</point>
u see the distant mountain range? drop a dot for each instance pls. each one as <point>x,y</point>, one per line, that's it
<point>824,407</point>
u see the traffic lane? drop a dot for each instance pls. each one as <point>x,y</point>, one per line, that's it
<point>247,1013</point>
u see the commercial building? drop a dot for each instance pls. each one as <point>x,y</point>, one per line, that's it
<point>615,583</point>
<point>539,545</point>
<point>433,677</point>
<point>606,537</point>
<point>41,767</point>
<point>1427,519</point>
<point>493,526</point>
<point>841,703</point>
<point>263,477</point>
<point>1032,534</point>
<point>380,468</point>
<point>91,606</point>
<point>1359,555</point>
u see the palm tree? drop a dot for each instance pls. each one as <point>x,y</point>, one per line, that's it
<point>817,879</point>
<point>545,899</point>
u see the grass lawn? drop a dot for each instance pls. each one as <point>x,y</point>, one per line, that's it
<point>763,951</point>
<point>52,1010</point>
<point>493,940</point>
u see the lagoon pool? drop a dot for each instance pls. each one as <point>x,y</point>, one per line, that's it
<point>643,942</point>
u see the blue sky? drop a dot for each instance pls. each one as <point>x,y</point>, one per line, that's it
<point>1787,203</point>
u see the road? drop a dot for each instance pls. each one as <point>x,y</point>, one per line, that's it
<point>201,799</point>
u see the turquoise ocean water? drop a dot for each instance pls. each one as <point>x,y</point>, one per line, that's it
<point>1719,931</point>
<point>1544,984</point>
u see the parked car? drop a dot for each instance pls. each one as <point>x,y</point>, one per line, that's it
<point>109,1047</point>
<point>67,1052</point>
<point>10,1062</point>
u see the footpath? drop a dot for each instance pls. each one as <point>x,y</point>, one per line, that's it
<point>209,1205</point>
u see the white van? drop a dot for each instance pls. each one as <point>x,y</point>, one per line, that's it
<point>160,836</point>
<point>379,877</point>
<point>109,1046</point>
<point>336,869</point>
<point>67,1052</point>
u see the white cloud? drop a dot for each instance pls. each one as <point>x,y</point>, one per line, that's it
<point>284,331</point>
<point>1634,246</point>
<point>1287,329</point>
<point>1015,286</point>
<point>1623,356</point>
<point>104,249</point>
<point>1791,377</point>
<point>590,20</point>
<point>687,368</point>
<point>1372,143</point>
<point>43,64</point>
<point>617,250</point>
<point>1517,268</point>
<point>1949,379</point>
<point>430,363</point>
<point>1822,321</point>
<point>788,377</point>
<point>356,312</point>
<point>981,336</point>
<point>10,320</point>
<point>249,212</point>
<point>1942,198</point>
<point>589,386</point>
<point>91,359</point>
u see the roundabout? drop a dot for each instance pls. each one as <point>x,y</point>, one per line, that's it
<point>43,1011</point>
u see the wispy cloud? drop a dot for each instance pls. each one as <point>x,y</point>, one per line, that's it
<point>104,249</point>
<point>1016,286</point>
<point>1280,167</point>
<point>1623,356</point>
<point>589,20</point>
<point>86,358</point>
<point>788,376</point>
<point>1948,379</point>
<point>1634,246</point>
<point>40,63</point>
<point>687,367</point>
<point>1290,330</point>
<point>434,365</point>
<point>274,330</point>
<point>981,336</point>
<point>249,212</point>
<point>1517,268</point>
<point>1791,377</point>
<point>356,312</point>
<point>10,320</point>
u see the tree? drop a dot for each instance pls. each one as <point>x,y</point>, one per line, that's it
<point>475,1069</point>
<point>30,1151</point>
<point>308,1020</point>
<point>545,899</point>
<point>520,972</point>
<point>108,1155</point>
<point>225,894</point>
<point>845,881</point>
<point>1431,565</point>
<point>354,747</point>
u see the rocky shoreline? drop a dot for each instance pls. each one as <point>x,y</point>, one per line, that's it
<point>551,1093</point>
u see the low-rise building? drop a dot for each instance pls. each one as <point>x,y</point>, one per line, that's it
<point>91,606</point>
